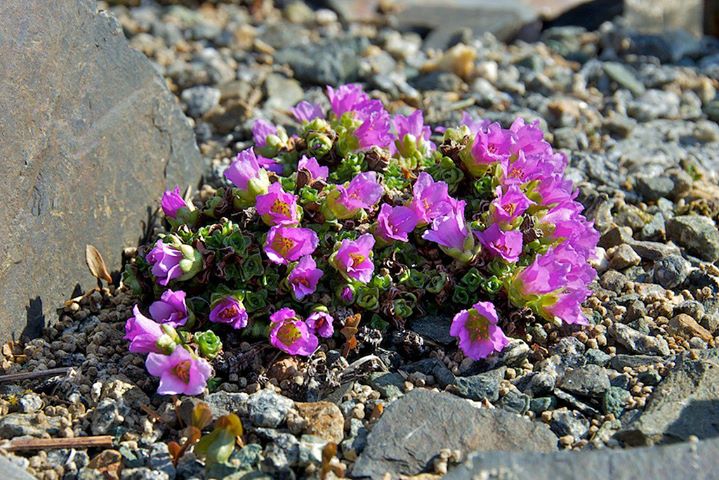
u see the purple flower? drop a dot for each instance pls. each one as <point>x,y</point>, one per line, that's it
<point>347,294</point>
<point>172,201</point>
<point>261,129</point>
<point>170,308</point>
<point>353,259</point>
<point>311,166</point>
<point>509,204</point>
<point>412,132</point>
<point>346,98</point>
<point>165,260</point>
<point>321,323</point>
<point>478,332</point>
<point>529,139</point>
<point>363,191</point>
<point>506,245</point>
<point>278,207</point>
<point>180,372</point>
<point>450,232</point>
<point>395,223</point>
<point>491,145</point>
<point>304,277</point>
<point>270,164</point>
<point>229,310</point>
<point>554,285</point>
<point>290,334</point>
<point>473,125</point>
<point>524,168</point>
<point>430,199</point>
<point>143,333</point>
<point>306,111</point>
<point>374,130</point>
<point>288,244</point>
<point>564,223</point>
<point>248,176</point>
<point>556,189</point>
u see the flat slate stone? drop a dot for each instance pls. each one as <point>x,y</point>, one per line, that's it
<point>413,430</point>
<point>685,460</point>
<point>90,139</point>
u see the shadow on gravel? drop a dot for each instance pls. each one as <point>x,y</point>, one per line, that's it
<point>35,319</point>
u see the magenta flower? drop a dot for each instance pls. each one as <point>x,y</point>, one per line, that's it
<point>261,129</point>
<point>564,223</point>
<point>346,98</point>
<point>172,202</point>
<point>473,125</point>
<point>375,125</point>
<point>506,245</point>
<point>554,285</point>
<point>143,333</point>
<point>230,311</point>
<point>180,372</point>
<point>288,244</point>
<point>270,164</point>
<point>450,232</point>
<point>353,259</point>
<point>306,111</point>
<point>509,204</point>
<point>165,260</point>
<point>248,176</point>
<point>290,334</point>
<point>347,294</point>
<point>311,166</point>
<point>430,199</point>
<point>395,223</point>
<point>478,332</point>
<point>556,189</point>
<point>304,277</point>
<point>412,134</point>
<point>529,139</point>
<point>278,207</point>
<point>321,323</point>
<point>170,308</point>
<point>491,145</point>
<point>362,192</point>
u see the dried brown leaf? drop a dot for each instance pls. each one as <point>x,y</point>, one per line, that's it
<point>96,264</point>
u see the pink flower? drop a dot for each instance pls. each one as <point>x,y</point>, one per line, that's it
<point>430,199</point>
<point>478,332</point>
<point>362,192</point>
<point>375,127</point>
<point>143,333</point>
<point>230,311</point>
<point>180,372</point>
<point>304,277</point>
<point>346,98</point>
<point>278,207</point>
<point>395,223</point>
<point>288,244</point>
<point>165,260</point>
<point>564,223</point>
<point>170,309</point>
<point>261,129</point>
<point>418,134</point>
<point>347,294</point>
<point>529,139</point>
<point>450,232</point>
<point>270,164</point>
<point>306,111</point>
<point>473,125</point>
<point>506,245</point>
<point>491,145</point>
<point>321,323</point>
<point>290,334</point>
<point>311,166</point>
<point>509,204</point>
<point>353,259</point>
<point>172,202</point>
<point>248,176</point>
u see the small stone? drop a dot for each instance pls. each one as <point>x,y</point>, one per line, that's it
<point>588,381</point>
<point>223,403</point>
<point>106,416</point>
<point>597,357</point>
<point>161,460</point>
<point>324,420</point>
<point>686,327</point>
<point>389,384</point>
<point>310,450</point>
<point>567,422</point>
<point>434,328</point>
<point>613,280</point>
<point>200,100</point>
<point>653,188</point>
<point>697,234</point>
<point>624,257</point>
<point>282,92</point>
<point>30,403</point>
<point>542,404</point>
<point>267,408</point>
<point>356,442</point>
<point>671,271</point>
<point>482,386</point>
<point>638,342</point>
<point>654,250</point>
<point>434,367</point>
<point>624,77</point>
<point>540,383</point>
<point>142,473</point>
<point>514,401</point>
<point>614,400</point>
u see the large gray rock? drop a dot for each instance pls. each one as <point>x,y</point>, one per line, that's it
<point>687,460</point>
<point>686,403</point>
<point>90,139</point>
<point>413,430</point>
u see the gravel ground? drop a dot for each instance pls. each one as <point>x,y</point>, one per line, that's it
<point>638,117</point>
